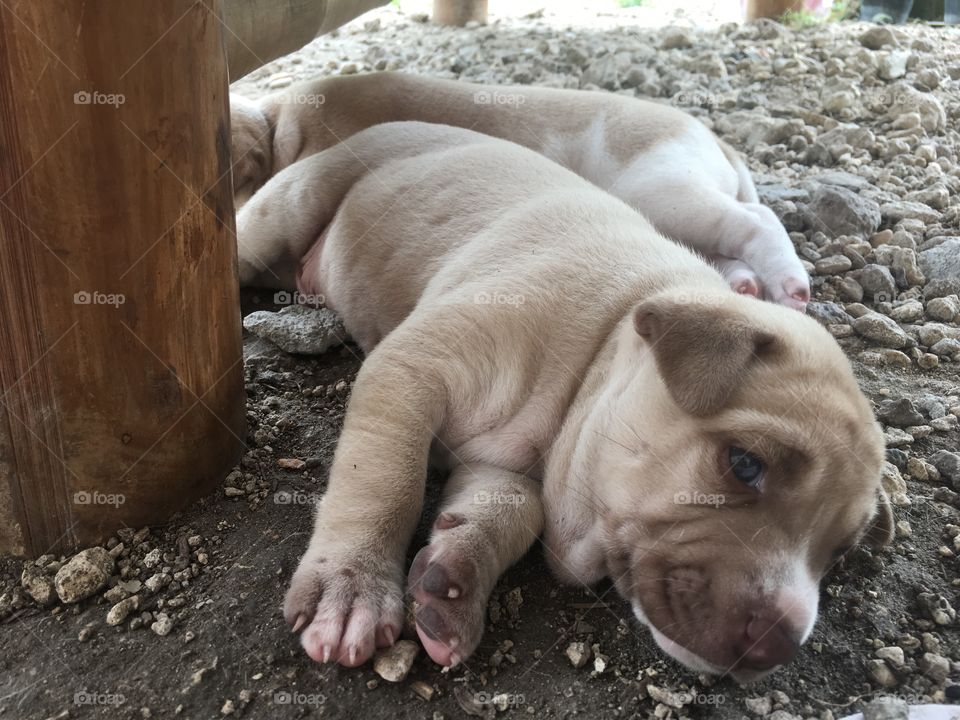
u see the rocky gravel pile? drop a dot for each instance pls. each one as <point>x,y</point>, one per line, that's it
<point>138,580</point>
<point>850,132</point>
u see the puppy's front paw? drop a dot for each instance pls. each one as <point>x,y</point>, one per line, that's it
<point>348,604</point>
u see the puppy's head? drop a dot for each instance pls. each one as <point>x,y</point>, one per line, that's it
<point>738,462</point>
<point>251,146</point>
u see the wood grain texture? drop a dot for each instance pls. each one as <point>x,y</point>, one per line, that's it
<point>459,12</point>
<point>773,9</point>
<point>121,395</point>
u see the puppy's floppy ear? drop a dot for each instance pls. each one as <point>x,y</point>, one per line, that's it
<point>702,350</point>
<point>880,532</point>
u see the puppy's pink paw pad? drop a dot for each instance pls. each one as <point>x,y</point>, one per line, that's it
<point>797,293</point>
<point>746,286</point>
<point>450,603</point>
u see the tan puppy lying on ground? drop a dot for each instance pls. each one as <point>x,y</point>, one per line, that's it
<point>661,161</point>
<point>711,453</point>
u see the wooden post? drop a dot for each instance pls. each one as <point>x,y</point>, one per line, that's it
<point>121,372</point>
<point>459,12</point>
<point>773,9</point>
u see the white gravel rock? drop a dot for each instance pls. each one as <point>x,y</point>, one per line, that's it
<point>162,624</point>
<point>908,99</point>
<point>893,65</point>
<point>85,574</point>
<point>942,263</point>
<point>881,329</point>
<point>393,663</point>
<point>38,585</point>
<point>908,312</point>
<point>298,329</point>
<point>881,673</point>
<point>578,653</point>
<point>892,654</point>
<point>934,666</point>
<point>945,308</point>
<point>121,611</point>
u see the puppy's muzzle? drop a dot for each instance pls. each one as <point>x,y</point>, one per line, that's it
<point>765,642</point>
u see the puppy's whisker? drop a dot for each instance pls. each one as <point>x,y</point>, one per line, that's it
<point>594,502</point>
<point>631,429</point>
<point>630,450</point>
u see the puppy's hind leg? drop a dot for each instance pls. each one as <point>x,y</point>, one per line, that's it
<point>717,224</point>
<point>285,217</point>
<point>490,518</point>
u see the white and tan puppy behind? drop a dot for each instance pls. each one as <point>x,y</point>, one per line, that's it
<point>583,379</point>
<point>659,160</point>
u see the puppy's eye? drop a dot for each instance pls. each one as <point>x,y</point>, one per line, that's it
<point>745,467</point>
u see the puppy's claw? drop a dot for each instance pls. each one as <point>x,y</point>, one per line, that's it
<point>327,651</point>
<point>299,623</point>
<point>352,655</point>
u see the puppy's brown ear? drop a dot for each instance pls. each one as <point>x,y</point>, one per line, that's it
<point>703,351</point>
<point>880,532</point>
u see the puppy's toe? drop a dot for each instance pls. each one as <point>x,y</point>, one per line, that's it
<point>300,603</point>
<point>348,609</point>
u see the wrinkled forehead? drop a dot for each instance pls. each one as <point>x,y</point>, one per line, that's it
<point>808,402</point>
<point>823,457</point>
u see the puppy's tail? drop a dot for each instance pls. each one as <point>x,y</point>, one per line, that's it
<point>747,191</point>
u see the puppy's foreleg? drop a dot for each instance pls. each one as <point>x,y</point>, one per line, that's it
<point>489,519</point>
<point>347,591</point>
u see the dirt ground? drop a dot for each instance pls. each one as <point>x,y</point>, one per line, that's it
<point>226,650</point>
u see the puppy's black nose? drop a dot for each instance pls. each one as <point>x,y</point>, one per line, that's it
<point>765,643</point>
